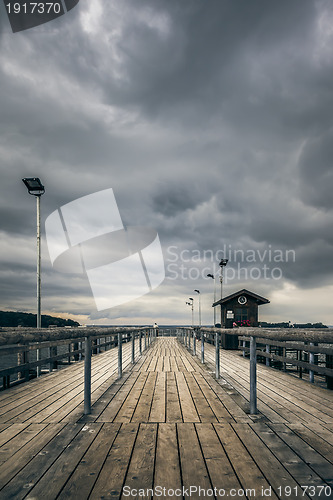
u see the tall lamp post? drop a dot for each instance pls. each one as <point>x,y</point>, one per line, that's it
<point>222,264</point>
<point>198,292</point>
<point>212,276</point>
<point>191,304</point>
<point>36,188</point>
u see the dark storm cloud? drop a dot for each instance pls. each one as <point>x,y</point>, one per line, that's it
<point>211,120</point>
<point>316,172</point>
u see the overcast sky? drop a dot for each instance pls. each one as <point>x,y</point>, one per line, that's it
<point>211,120</point>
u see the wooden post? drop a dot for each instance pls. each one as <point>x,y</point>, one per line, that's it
<point>53,364</point>
<point>22,359</point>
<point>194,343</point>
<point>300,368</point>
<point>329,364</point>
<point>120,356</point>
<point>140,342</point>
<point>268,350</point>
<point>202,348</point>
<point>217,355</point>
<point>87,375</point>
<point>133,347</point>
<point>145,334</point>
<point>253,376</point>
<point>69,353</point>
<point>189,339</point>
<point>284,354</point>
<point>76,348</point>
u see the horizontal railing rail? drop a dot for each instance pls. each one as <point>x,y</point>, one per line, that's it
<point>258,342</point>
<point>81,346</point>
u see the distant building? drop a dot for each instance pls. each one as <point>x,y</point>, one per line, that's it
<point>241,308</point>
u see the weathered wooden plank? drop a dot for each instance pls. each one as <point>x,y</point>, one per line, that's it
<point>15,443</point>
<point>249,474</point>
<point>273,470</point>
<point>11,431</point>
<point>193,467</point>
<point>142,410</point>
<point>220,470</point>
<point>52,482</point>
<point>173,411</point>
<point>25,480</point>
<point>158,407</point>
<point>203,408</point>
<point>220,411</point>
<point>27,452</point>
<point>296,467</point>
<point>126,411</point>
<point>319,464</point>
<point>313,440</point>
<point>167,467</point>
<point>82,481</point>
<point>111,478</point>
<point>117,401</point>
<point>140,473</point>
<point>188,408</point>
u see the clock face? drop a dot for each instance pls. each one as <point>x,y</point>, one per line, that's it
<point>242,299</point>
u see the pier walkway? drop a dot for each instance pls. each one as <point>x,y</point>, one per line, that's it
<point>166,425</point>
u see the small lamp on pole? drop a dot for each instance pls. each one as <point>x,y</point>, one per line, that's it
<point>213,277</point>
<point>198,292</point>
<point>36,188</point>
<point>191,304</point>
<point>222,264</point>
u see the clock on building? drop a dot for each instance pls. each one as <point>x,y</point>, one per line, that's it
<point>242,299</point>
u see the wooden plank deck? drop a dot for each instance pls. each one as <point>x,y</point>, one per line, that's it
<point>166,424</point>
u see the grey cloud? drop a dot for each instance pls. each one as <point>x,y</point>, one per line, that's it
<point>316,171</point>
<point>210,120</point>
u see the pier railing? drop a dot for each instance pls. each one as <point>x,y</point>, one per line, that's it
<point>258,342</point>
<point>21,350</point>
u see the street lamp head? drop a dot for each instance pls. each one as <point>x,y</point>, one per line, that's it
<point>34,186</point>
<point>210,276</point>
<point>197,291</point>
<point>190,298</point>
<point>223,262</point>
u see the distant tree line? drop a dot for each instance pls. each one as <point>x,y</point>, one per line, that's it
<point>284,324</point>
<point>12,319</point>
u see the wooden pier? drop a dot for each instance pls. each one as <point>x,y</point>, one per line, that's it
<point>167,428</point>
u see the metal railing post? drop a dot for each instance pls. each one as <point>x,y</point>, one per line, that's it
<point>38,358</point>
<point>133,347</point>
<point>87,375</point>
<point>140,342</point>
<point>311,361</point>
<point>120,356</point>
<point>244,345</point>
<point>145,334</point>
<point>253,376</point>
<point>194,343</point>
<point>217,355</point>
<point>189,339</point>
<point>202,348</point>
